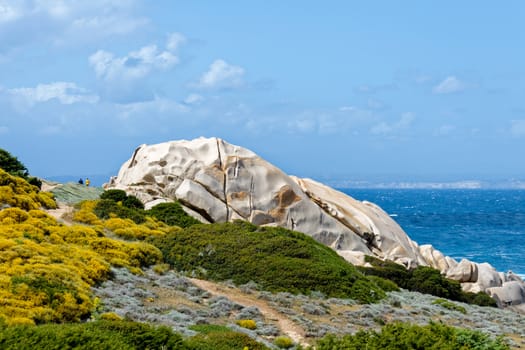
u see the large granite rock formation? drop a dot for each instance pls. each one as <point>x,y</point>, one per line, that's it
<point>217,182</point>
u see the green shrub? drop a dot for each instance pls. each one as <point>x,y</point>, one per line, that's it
<point>208,328</point>
<point>384,284</point>
<point>480,298</point>
<point>407,336</point>
<point>223,341</point>
<point>106,208</point>
<point>423,279</point>
<point>449,305</point>
<point>172,214</point>
<point>276,258</point>
<point>283,342</point>
<point>133,202</point>
<point>114,195</point>
<point>12,165</point>
<point>108,335</point>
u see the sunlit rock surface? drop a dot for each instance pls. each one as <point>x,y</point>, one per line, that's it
<point>217,181</point>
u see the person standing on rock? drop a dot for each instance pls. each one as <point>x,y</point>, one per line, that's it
<point>80,181</point>
<point>87,181</point>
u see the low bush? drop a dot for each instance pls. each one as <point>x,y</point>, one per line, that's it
<point>283,342</point>
<point>407,336</point>
<point>17,192</point>
<point>447,304</point>
<point>172,214</point>
<point>107,208</point>
<point>248,324</point>
<point>278,259</point>
<point>108,335</point>
<point>209,328</point>
<point>114,195</point>
<point>223,340</point>
<point>423,279</point>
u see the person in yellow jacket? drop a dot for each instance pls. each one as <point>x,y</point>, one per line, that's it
<point>87,182</point>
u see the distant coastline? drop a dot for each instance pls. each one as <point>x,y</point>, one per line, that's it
<point>429,185</point>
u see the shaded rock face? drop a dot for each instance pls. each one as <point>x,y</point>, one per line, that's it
<point>216,182</point>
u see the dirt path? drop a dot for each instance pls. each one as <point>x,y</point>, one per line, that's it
<point>285,324</point>
<point>63,213</point>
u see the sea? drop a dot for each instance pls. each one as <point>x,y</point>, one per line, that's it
<point>476,224</point>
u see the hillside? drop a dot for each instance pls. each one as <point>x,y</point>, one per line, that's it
<point>266,287</point>
<point>219,182</point>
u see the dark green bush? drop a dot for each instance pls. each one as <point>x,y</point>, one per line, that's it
<point>35,181</point>
<point>276,258</point>
<point>172,214</point>
<point>406,336</point>
<point>424,279</point>
<point>114,195</point>
<point>108,335</point>
<point>121,196</point>
<point>223,341</point>
<point>105,208</point>
<point>12,165</point>
<point>208,328</point>
<point>133,202</point>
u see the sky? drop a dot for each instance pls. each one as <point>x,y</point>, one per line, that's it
<point>355,90</point>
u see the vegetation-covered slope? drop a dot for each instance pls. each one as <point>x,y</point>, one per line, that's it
<point>47,268</point>
<point>276,258</point>
<point>405,336</point>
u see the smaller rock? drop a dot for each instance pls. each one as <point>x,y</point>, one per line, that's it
<point>465,271</point>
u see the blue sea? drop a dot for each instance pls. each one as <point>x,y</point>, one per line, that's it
<point>480,225</point>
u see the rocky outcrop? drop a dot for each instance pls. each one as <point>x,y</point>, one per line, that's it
<point>216,182</point>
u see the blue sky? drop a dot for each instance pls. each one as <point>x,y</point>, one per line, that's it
<point>335,89</point>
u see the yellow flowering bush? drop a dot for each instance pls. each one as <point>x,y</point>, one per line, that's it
<point>47,268</point>
<point>17,192</point>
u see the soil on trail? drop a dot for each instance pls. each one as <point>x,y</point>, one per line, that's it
<point>286,325</point>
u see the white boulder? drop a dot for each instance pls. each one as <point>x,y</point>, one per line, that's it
<point>216,182</point>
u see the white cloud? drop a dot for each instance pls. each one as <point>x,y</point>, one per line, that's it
<point>193,99</point>
<point>174,41</point>
<point>450,85</point>
<point>158,105</point>
<point>384,128</point>
<point>107,25</point>
<point>134,65</point>
<point>222,75</point>
<point>65,92</point>
<point>65,22</point>
<point>517,127</point>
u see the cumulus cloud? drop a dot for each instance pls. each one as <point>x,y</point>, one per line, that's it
<point>450,85</point>
<point>134,65</point>
<point>65,92</point>
<point>222,75</point>
<point>517,127</point>
<point>385,128</point>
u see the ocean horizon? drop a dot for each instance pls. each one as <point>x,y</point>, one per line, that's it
<point>482,225</point>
